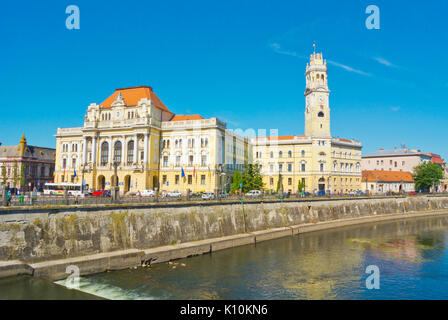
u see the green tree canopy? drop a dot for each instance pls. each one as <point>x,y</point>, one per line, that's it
<point>251,179</point>
<point>237,179</point>
<point>426,175</point>
<point>15,174</point>
<point>4,175</point>
<point>301,186</point>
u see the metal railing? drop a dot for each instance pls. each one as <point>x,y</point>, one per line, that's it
<point>45,200</point>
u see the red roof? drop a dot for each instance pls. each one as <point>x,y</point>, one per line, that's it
<point>132,96</point>
<point>280,137</point>
<point>181,117</point>
<point>386,176</point>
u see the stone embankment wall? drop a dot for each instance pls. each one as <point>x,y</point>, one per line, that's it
<point>33,238</point>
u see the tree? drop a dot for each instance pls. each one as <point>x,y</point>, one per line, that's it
<point>279,184</point>
<point>301,186</point>
<point>236,181</point>
<point>252,179</point>
<point>4,178</point>
<point>427,175</point>
<point>22,176</point>
<point>15,174</point>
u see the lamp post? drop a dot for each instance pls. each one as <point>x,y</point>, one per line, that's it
<point>82,178</point>
<point>115,188</point>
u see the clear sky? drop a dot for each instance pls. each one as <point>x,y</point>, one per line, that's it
<point>241,61</point>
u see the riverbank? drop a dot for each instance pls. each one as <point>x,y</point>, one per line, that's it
<point>45,244</point>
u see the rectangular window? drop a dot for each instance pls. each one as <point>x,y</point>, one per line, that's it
<point>203,160</point>
<point>190,161</point>
<point>289,167</point>
<point>176,179</point>
<point>165,161</point>
<point>164,179</point>
<point>64,163</point>
<point>303,167</point>
<point>289,181</point>
<point>280,167</point>
<point>177,161</point>
<point>203,179</point>
<point>190,179</point>
<point>271,181</point>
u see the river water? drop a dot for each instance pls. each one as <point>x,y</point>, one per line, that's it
<point>411,256</point>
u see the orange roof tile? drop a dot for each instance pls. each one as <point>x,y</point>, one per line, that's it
<point>132,96</point>
<point>181,117</point>
<point>386,176</point>
<point>281,137</point>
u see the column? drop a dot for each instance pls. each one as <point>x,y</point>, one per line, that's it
<point>135,149</point>
<point>94,148</point>
<point>146,148</point>
<point>84,152</point>
<point>110,150</point>
<point>124,150</point>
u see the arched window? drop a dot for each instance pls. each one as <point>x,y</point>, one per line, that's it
<point>280,154</point>
<point>303,153</point>
<point>321,167</point>
<point>320,114</point>
<point>117,152</point>
<point>272,154</point>
<point>130,158</point>
<point>290,154</point>
<point>104,153</point>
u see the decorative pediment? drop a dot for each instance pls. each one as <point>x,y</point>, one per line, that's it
<point>119,101</point>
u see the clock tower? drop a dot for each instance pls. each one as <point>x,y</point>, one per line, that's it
<point>317,109</point>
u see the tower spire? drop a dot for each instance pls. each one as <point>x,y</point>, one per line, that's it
<point>314,47</point>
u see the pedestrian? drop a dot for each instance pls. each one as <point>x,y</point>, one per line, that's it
<point>8,198</point>
<point>139,196</point>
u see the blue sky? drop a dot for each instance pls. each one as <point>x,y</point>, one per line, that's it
<point>241,61</point>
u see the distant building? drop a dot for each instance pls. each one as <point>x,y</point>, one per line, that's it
<point>382,181</point>
<point>38,164</point>
<point>394,160</point>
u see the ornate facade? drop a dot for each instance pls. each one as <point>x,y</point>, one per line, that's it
<point>150,147</point>
<point>316,159</point>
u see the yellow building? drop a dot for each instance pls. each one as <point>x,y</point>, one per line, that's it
<point>151,147</point>
<point>317,159</point>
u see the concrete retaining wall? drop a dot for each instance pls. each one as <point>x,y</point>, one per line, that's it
<point>44,244</point>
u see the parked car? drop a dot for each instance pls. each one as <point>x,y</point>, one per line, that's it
<point>254,193</point>
<point>101,193</point>
<point>359,193</point>
<point>320,193</point>
<point>413,193</point>
<point>173,194</point>
<point>147,193</point>
<point>208,196</point>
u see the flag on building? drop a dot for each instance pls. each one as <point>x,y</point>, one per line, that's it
<point>182,172</point>
<point>209,171</point>
<point>74,171</point>
<point>194,171</point>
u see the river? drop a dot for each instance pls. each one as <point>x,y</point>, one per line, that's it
<point>411,256</point>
